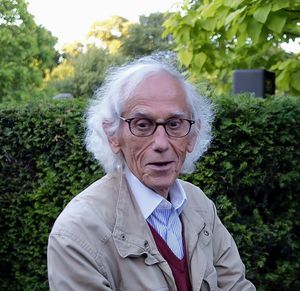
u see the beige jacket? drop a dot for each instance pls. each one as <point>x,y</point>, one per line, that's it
<point>102,242</point>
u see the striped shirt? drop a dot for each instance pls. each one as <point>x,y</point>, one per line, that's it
<point>159,212</point>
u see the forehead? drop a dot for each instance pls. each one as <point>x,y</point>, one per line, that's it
<point>159,95</point>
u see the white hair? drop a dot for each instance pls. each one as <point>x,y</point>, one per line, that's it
<point>117,89</point>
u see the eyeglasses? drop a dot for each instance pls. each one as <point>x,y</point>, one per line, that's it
<point>175,127</point>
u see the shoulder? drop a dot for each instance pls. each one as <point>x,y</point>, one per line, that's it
<point>198,202</point>
<point>92,212</point>
<point>195,194</point>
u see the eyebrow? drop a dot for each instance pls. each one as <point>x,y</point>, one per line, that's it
<point>178,114</point>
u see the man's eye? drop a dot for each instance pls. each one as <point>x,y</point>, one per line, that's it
<point>174,123</point>
<point>142,123</point>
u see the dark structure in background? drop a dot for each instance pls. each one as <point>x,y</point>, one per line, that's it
<point>259,82</point>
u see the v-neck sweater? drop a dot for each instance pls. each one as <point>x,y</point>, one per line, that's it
<point>179,267</point>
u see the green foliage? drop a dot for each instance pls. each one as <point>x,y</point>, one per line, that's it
<point>110,32</point>
<point>87,72</point>
<point>215,37</point>
<point>43,165</point>
<point>145,37</point>
<point>251,172</point>
<point>110,42</point>
<point>119,36</point>
<point>26,51</point>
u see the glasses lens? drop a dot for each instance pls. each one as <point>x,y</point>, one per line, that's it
<point>142,126</point>
<point>177,127</point>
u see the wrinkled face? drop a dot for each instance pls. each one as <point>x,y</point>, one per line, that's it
<point>155,160</point>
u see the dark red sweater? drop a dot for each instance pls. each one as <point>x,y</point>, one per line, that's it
<point>179,267</point>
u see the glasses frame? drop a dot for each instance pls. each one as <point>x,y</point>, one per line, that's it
<point>157,124</point>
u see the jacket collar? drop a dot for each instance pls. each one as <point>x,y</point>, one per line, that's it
<point>131,232</point>
<point>197,236</point>
<point>132,235</point>
<point>150,200</point>
<point>133,238</point>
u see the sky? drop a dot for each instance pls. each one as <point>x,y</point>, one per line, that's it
<point>70,20</point>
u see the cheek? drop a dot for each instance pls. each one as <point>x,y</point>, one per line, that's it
<point>134,152</point>
<point>180,149</point>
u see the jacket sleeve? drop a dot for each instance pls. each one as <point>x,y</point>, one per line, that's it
<point>72,265</point>
<point>229,266</point>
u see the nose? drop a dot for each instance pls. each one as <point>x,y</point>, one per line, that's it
<point>160,139</point>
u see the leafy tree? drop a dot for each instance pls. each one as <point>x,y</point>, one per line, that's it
<point>83,65</point>
<point>215,37</point>
<point>90,69</point>
<point>70,50</point>
<point>146,36</point>
<point>109,33</point>
<point>26,51</point>
<point>81,74</point>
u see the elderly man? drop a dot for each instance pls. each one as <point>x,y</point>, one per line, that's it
<point>140,227</point>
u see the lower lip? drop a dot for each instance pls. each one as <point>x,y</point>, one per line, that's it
<point>160,167</point>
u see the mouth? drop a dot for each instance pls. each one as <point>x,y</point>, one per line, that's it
<point>161,166</point>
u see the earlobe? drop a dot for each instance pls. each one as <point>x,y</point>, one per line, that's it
<point>114,144</point>
<point>113,139</point>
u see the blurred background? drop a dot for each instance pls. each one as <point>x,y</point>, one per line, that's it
<point>54,55</point>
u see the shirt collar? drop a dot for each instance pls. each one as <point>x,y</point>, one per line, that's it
<point>148,200</point>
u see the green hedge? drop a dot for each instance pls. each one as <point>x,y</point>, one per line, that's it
<point>43,165</point>
<point>251,172</point>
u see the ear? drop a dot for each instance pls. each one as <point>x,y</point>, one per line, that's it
<point>193,137</point>
<point>113,139</point>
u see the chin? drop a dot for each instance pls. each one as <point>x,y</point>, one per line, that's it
<point>161,183</point>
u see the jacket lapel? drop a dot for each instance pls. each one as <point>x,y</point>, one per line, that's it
<point>132,235</point>
<point>193,226</point>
